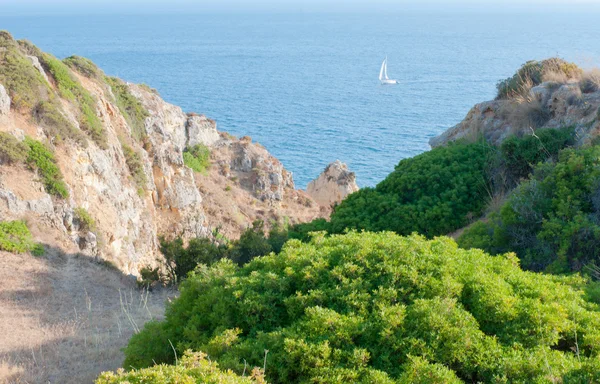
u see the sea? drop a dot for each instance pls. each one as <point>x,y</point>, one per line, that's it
<point>306,86</point>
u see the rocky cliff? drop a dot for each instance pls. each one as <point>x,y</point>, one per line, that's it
<point>120,148</point>
<point>550,104</point>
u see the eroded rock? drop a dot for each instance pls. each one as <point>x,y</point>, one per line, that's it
<point>333,184</point>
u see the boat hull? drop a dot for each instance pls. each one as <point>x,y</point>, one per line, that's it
<point>389,82</point>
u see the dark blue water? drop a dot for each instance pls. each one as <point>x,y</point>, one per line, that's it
<point>305,86</point>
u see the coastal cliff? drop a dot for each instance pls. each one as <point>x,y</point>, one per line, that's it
<point>547,94</point>
<point>119,155</point>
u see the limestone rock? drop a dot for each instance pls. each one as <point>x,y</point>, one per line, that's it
<point>37,65</point>
<point>4,101</point>
<point>201,130</point>
<point>333,184</point>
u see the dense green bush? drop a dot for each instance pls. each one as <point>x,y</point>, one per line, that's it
<point>11,149</point>
<point>84,66</point>
<point>433,193</point>
<point>380,308</point>
<point>130,107</point>
<point>42,159</point>
<point>252,243</point>
<point>181,260</point>
<point>136,167</point>
<point>532,73</point>
<point>551,221</point>
<point>25,85</point>
<point>517,156</point>
<point>193,368</point>
<point>15,237</point>
<point>70,88</point>
<point>197,158</point>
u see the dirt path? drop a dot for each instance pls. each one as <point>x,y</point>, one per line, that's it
<point>64,318</point>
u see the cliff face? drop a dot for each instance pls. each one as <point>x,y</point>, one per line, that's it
<point>548,105</point>
<point>129,177</point>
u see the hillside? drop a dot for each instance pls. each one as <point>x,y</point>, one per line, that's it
<point>116,155</point>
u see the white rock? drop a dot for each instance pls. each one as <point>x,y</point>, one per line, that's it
<point>333,184</point>
<point>36,63</point>
<point>4,101</point>
<point>201,130</point>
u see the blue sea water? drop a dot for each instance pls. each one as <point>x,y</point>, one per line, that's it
<point>305,85</point>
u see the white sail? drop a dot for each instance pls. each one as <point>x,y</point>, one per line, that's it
<point>385,75</point>
<point>383,67</point>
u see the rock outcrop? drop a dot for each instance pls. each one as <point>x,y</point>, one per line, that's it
<point>132,207</point>
<point>548,105</point>
<point>201,130</point>
<point>333,184</point>
<point>4,101</point>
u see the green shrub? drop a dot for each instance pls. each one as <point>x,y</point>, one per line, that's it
<point>379,308</point>
<point>252,243</point>
<point>433,193</point>
<point>193,368</point>
<point>179,260</point>
<point>42,159</point>
<point>130,107</point>
<point>70,88</point>
<point>550,221</point>
<point>519,155</point>
<point>136,167</point>
<point>28,48</point>
<point>84,66</point>
<point>86,221</point>
<point>149,278</point>
<point>11,149</point>
<point>48,114</point>
<point>197,158</point>
<point>15,237</point>
<point>533,73</point>
<point>25,85</point>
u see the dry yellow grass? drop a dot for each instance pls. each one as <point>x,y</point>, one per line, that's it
<point>64,319</point>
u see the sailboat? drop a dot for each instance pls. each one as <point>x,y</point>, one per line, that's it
<point>383,76</point>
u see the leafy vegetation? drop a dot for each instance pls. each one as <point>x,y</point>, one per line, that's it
<point>86,221</point>
<point>24,83</point>
<point>380,308</point>
<point>433,193</point>
<point>130,107</point>
<point>42,159</point>
<point>11,149</point>
<point>519,155</point>
<point>15,237</point>
<point>84,66</point>
<point>203,251</point>
<point>70,88</point>
<point>550,221</point>
<point>533,73</point>
<point>197,158</point>
<point>193,368</point>
<point>136,167</point>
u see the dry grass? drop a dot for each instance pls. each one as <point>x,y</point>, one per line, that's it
<point>64,318</point>
<point>590,81</point>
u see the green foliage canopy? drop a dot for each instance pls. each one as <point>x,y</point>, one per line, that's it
<point>433,193</point>
<point>380,308</point>
<point>550,221</point>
